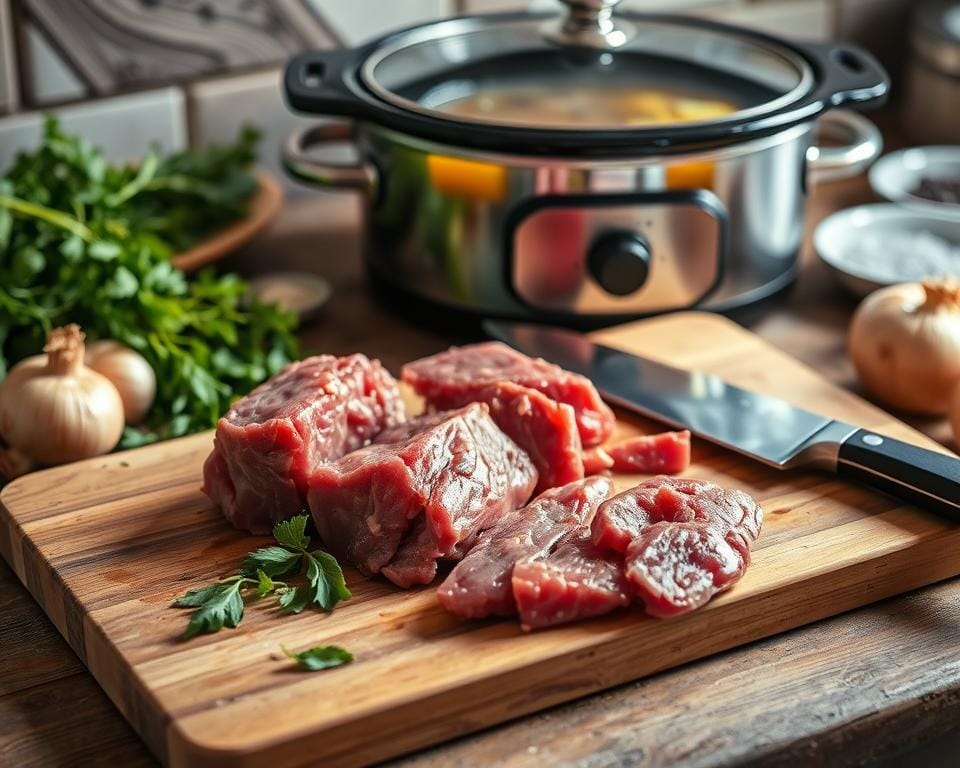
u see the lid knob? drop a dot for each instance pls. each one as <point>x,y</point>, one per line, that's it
<point>590,23</point>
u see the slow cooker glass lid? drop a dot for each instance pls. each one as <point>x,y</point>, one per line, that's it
<point>510,72</point>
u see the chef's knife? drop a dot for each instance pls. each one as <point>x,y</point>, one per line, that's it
<point>764,428</point>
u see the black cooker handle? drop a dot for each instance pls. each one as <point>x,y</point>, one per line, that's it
<point>324,82</point>
<point>847,74</point>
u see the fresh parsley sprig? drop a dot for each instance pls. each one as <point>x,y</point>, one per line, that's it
<point>88,242</point>
<point>221,604</point>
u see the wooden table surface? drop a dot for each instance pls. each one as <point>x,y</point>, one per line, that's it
<point>878,686</point>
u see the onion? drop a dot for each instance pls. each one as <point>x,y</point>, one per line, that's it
<point>53,409</point>
<point>905,344</point>
<point>129,372</point>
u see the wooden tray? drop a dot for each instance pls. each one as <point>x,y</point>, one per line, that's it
<point>105,545</point>
<point>264,207</point>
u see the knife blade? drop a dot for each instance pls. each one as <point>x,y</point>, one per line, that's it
<point>765,428</point>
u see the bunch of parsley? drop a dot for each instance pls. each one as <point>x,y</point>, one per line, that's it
<point>87,242</point>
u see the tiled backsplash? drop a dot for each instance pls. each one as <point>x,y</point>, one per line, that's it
<point>355,21</point>
<point>124,126</point>
<point>127,44</point>
<point>219,63</point>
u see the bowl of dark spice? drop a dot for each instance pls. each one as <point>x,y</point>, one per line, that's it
<point>923,178</point>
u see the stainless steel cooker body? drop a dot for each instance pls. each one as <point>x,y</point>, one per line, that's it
<point>582,236</point>
<point>557,237</point>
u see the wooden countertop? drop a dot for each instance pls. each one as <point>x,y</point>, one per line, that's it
<point>876,686</point>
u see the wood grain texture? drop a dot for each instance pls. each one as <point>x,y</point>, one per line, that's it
<point>850,691</point>
<point>105,546</point>
<point>116,45</point>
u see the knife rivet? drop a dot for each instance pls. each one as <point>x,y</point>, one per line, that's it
<point>873,440</point>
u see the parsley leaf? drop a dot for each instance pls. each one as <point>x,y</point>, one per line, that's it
<point>273,561</point>
<point>336,584</point>
<point>292,533</point>
<point>198,597</point>
<point>325,585</point>
<point>222,606</point>
<point>265,585</point>
<point>320,657</point>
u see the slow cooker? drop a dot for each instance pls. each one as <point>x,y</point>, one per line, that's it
<point>589,166</point>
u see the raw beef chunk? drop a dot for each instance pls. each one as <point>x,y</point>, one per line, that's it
<point>422,491</point>
<point>453,378</point>
<point>480,585</point>
<point>313,411</point>
<point>667,453</point>
<point>683,540</point>
<point>596,460</point>
<point>677,567</point>
<point>576,581</point>
<point>544,428</point>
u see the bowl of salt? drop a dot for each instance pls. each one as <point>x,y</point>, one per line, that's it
<point>871,246</point>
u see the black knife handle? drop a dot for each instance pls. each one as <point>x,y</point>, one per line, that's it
<point>928,479</point>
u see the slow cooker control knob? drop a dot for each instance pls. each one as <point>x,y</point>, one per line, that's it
<point>619,261</point>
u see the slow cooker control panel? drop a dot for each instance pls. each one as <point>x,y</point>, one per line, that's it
<point>617,254</point>
<point>619,261</point>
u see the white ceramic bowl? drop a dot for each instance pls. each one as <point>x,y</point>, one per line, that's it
<point>896,175</point>
<point>837,235</point>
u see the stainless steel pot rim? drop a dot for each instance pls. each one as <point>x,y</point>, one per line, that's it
<point>625,162</point>
<point>472,24</point>
<point>330,83</point>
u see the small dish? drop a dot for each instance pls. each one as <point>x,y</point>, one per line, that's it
<point>896,176</point>
<point>300,292</point>
<point>845,240</point>
<point>264,207</point>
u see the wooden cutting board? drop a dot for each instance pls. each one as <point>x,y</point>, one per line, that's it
<point>105,545</point>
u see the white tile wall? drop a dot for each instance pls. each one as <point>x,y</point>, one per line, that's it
<point>357,21</point>
<point>49,78</point>
<point>217,109</point>
<point>8,73</point>
<point>124,126</point>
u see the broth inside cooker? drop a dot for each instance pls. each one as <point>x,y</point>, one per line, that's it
<point>626,91</point>
<point>623,105</point>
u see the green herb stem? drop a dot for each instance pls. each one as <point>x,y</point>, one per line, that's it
<point>49,215</point>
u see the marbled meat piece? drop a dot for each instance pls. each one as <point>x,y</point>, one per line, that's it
<point>480,585</point>
<point>313,411</point>
<point>453,378</point>
<point>596,460</point>
<point>667,453</point>
<point>422,491</point>
<point>677,567</point>
<point>676,500</point>
<point>576,581</point>
<point>544,428</point>
<point>683,540</point>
